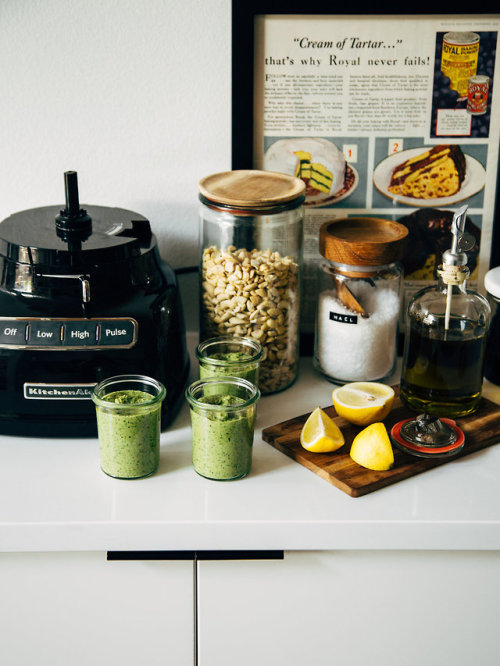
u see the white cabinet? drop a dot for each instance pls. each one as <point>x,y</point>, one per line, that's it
<point>78,609</point>
<point>353,608</point>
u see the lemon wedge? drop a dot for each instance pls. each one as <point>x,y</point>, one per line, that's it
<point>363,403</point>
<point>371,448</point>
<point>320,434</point>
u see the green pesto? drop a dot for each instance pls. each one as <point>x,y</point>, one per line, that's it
<point>233,364</point>
<point>222,440</point>
<point>221,400</point>
<point>129,397</point>
<point>231,357</point>
<point>129,438</point>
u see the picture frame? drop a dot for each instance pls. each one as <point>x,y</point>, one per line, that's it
<point>247,122</point>
<point>243,15</point>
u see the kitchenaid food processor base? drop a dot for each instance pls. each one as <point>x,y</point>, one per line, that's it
<point>84,295</point>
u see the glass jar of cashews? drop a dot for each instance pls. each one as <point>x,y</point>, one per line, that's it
<point>251,228</point>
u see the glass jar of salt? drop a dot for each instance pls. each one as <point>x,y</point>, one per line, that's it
<point>359,298</point>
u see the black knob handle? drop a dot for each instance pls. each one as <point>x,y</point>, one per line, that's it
<point>72,198</point>
<point>73,224</point>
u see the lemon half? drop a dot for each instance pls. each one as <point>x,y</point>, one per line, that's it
<point>371,448</point>
<point>363,403</point>
<point>320,434</point>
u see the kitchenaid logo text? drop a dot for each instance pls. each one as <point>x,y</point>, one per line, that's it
<point>58,391</point>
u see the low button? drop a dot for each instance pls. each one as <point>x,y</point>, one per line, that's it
<point>44,334</point>
<point>12,332</point>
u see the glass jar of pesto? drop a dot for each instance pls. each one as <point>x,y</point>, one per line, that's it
<point>227,356</point>
<point>128,410</point>
<point>222,425</point>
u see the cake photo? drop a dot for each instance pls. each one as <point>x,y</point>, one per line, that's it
<point>431,176</point>
<point>437,172</point>
<point>429,236</point>
<point>318,162</point>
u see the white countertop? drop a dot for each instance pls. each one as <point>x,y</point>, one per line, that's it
<point>54,497</point>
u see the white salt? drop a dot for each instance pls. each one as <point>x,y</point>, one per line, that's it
<point>350,347</point>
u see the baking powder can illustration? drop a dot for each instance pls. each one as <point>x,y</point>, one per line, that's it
<point>459,59</point>
<point>477,95</point>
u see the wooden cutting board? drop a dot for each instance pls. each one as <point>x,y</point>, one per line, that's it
<point>481,429</point>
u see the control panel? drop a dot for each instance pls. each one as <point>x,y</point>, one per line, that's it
<point>60,334</point>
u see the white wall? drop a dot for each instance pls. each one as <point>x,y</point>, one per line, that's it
<point>132,94</point>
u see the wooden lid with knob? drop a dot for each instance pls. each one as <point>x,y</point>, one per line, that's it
<point>363,241</point>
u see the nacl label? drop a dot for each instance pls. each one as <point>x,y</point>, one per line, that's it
<point>343,318</point>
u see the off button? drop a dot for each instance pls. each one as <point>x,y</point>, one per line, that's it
<point>12,333</point>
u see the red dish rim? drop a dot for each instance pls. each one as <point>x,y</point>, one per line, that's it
<point>396,430</point>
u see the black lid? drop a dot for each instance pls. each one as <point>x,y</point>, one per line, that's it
<point>73,236</point>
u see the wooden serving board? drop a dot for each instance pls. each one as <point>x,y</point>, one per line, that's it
<point>481,429</point>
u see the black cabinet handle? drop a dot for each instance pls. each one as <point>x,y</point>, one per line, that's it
<point>240,555</point>
<point>121,555</point>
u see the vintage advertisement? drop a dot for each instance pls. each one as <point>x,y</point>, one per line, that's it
<point>387,116</point>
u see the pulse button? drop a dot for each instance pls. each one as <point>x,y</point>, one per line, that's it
<point>117,332</point>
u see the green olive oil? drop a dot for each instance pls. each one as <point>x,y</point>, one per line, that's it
<point>443,369</point>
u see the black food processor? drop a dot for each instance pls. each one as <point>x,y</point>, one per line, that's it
<point>84,295</point>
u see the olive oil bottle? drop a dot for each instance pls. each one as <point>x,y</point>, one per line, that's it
<point>444,374</point>
<point>445,342</point>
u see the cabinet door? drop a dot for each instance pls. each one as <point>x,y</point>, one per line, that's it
<point>78,609</point>
<point>351,608</point>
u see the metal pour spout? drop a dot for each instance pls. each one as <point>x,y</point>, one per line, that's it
<point>454,271</point>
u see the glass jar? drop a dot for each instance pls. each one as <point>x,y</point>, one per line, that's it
<point>250,266</point>
<point>128,410</point>
<point>445,343</point>
<point>227,356</point>
<point>222,424</point>
<point>359,299</point>
<point>492,365</point>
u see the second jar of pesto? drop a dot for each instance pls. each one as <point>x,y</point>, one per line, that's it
<point>230,356</point>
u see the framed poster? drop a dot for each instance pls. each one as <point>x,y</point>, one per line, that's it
<point>360,94</point>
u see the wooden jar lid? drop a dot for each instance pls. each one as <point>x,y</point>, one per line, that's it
<point>248,188</point>
<point>363,241</point>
